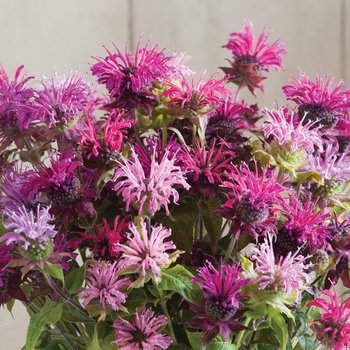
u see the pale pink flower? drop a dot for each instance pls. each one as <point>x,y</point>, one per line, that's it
<point>141,331</point>
<point>145,251</point>
<point>104,287</point>
<point>148,190</point>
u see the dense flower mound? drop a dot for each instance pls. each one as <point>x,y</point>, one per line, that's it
<point>154,209</point>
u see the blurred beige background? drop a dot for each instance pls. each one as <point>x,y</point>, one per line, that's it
<point>46,35</point>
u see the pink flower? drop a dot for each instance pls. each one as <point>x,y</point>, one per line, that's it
<point>286,274</point>
<point>221,291</point>
<point>128,77</point>
<point>141,331</point>
<point>253,199</point>
<point>322,104</point>
<point>151,184</point>
<point>145,251</point>
<point>251,59</point>
<point>332,328</point>
<point>104,286</point>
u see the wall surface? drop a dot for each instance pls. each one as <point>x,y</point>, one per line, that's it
<point>61,35</point>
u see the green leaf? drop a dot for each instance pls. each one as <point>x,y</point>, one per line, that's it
<point>314,176</point>
<point>219,345</point>
<point>280,327</point>
<point>74,315</point>
<point>179,346</point>
<point>212,222</point>
<point>93,342</point>
<point>178,279</point>
<point>75,279</point>
<point>137,299</point>
<point>54,270</point>
<point>50,313</point>
<point>195,339</point>
<point>306,342</point>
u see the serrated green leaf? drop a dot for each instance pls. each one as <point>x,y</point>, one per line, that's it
<point>54,270</point>
<point>50,313</point>
<point>178,279</point>
<point>93,342</point>
<point>194,339</point>
<point>107,342</point>
<point>75,279</point>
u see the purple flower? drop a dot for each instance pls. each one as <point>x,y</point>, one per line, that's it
<point>151,184</point>
<point>145,252</point>
<point>104,287</point>
<point>318,101</point>
<point>30,230</point>
<point>221,292</point>
<point>250,59</point>
<point>128,77</point>
<point>141,331</point>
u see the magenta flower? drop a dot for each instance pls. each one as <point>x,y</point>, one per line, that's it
<point>151,184</point>
<point>250,59</point>
<point>100,147</point>
<point>128,77</point>
<point>332,327</point>
<point>142,331</point>
<point>145,252</point>
<point>317,101</point>
<point>103,286</point>
<point>253,199</point>
<point>305,228</point>
<point>30,230</point>
<point>221,291</point>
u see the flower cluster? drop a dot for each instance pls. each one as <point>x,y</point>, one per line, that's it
<point>170,214</point>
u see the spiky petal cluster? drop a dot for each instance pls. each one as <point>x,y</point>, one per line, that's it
<point>323,103</point>
<point>128,77</point>
<point>252,58</point>
<point>145,252</point>
<point>30,230</point>
<point>221,291</point>
<point>104,286</point>
<point>148,186</point>
<point>141,331</point>
<point>332,327</point>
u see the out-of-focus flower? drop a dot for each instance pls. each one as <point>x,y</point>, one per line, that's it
<point>103,286</point>
<point>141,331</point>
<point>13,95</point>
<point>276,281</point>
<point>221,301</point>
<point>317,101</point>
<point>149,185</point>
<point>332,328</point>
<point>146,252</point>
<point>251,59</point>
<point>31,231</point>
<point>128,77</point>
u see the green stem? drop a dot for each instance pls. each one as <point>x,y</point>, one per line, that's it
<point>164,131</point>
<point>194,133</point>
<point>167,315</point>
<point>241,333</point>
<point>231,245</point>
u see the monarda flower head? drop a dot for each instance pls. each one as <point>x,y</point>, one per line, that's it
<point>277,282</point>
<point>145,252</point>
<point>148,183</point>
<point>254,199</point>
<point>251,59</point>
<point>332,328</point>
<point>128,77</point>
<point>141,331</point>
<point>221,301</point>
<point>31,231</point>
<point>104,288</point>
<point>317,100</point>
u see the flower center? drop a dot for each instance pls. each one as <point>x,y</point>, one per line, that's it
<point>248,60</point>
<point>65,193</point>
<point>323,117</point>
<point>249,211</point>
<point>138,337</point>
<point>219,308</point>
